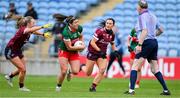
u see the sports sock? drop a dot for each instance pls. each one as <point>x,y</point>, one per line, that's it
<point>161,80</point>
<point>133,78</point>
<point>59,85</point>
<point>93,85</point>
<point>21,85</point>
<point>11,75</point>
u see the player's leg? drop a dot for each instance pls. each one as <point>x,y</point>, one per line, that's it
<point>74,67</point>
<point>102,64</point>
<point>24,63</point>
<point>10,76</point>
<point>90,61</point>
<point>63,69</point>
<point>119,57</point>
<point>137,85</point>
<point>88,68</point>
<point>74,61</point>
<point>111,60</point>
<point>22,72</point>
<point>9,54</point>
<point>16,72</point>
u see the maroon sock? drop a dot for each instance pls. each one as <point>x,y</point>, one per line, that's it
<point>93,85</point>
<point>137,82</point>
<point>11,75</point>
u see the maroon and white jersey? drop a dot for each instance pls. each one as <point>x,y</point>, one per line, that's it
<point>19,39</point>
<point>103,39</point>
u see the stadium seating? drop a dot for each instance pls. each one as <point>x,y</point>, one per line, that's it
<point>125,15</point>
<point>45,10</point>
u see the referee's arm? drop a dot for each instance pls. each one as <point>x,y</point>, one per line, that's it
<point>159,31</point>
<point>143,36</point>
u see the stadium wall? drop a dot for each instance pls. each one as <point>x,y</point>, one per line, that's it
<point>168,66</point>
<point>33,66</point>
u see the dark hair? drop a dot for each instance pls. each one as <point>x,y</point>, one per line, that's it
<point>103,22</point>
<point>68,19</point>
<point>59,17</point>
<point>29,3</point>
<point>23,21</point>
<point>12,4</point>
<point>143,4</point>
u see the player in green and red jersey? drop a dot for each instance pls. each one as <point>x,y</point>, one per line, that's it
<point>132,43</point>
<point>68,53</point>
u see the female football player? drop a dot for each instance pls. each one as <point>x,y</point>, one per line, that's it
<point>97,51</point>
<point>68,53</point>
<point>13,51</point>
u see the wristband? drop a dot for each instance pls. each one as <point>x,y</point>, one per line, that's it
<point>139,44</point>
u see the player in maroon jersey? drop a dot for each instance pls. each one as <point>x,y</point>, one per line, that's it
<point>13,53</point>
<point>97,51</point>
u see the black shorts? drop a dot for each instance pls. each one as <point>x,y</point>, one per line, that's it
<point>93,56</point>
<point>149,50</point>
<point>10,54</point>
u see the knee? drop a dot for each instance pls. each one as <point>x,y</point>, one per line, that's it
<point>134,68</point>
<point>64,71</point>
<point>88,73</point>
<point>75,73</point>
<point>139,69</point>
<point>22,69</point>
<point>102,70</point>
<point>153,71</point>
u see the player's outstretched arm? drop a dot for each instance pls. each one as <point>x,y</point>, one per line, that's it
<point>46,34</point>
<point>35,28</point>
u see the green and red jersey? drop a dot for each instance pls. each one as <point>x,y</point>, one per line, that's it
<point>134,39</point>
<point>71,36</point>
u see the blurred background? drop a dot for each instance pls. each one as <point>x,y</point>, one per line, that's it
<point>90,13</point>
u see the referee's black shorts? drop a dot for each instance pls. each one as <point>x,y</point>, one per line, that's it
<point>149,50</point>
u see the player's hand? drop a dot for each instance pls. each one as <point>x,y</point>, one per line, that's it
<point>47,25</point>
<point>81,48</point>
<point>102,54</point>
<point>138,49</point>
<point>47,35</point>
<point>130,49</point>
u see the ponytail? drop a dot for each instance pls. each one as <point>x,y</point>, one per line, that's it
<point>20,22</point>
<point>70,19</point>
<point>23,21</point>
<point>66,19</point>
<point>102,23</point>
<point>59,17</point>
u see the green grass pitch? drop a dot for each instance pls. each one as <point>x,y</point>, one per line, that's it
<point>44,87</point>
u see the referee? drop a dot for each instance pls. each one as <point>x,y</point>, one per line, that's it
<point>147,47</point>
